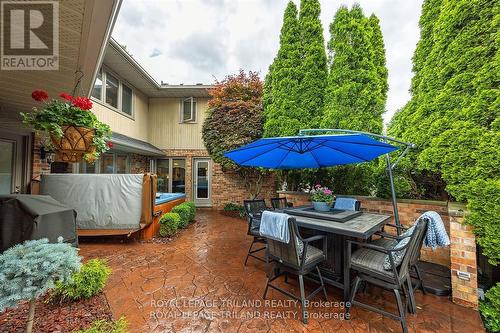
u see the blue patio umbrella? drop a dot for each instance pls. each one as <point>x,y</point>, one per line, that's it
<point>317,151</point>
<point>309,151</point>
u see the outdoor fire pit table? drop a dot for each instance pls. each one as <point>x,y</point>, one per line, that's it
<point>335,271</point>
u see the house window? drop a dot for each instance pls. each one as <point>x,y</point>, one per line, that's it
<point>116,93</point>
<point>126,100</point>
<point>97,90</point>
<point>162,175</point>
<point>178,176</point>
<point>88,168</point>
<point>109,163</point>
<point>112,85</point>
<point>188,112</point>
<point>120,163</point>
<point>171,175</point>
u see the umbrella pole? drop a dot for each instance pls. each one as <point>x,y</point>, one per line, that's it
<point>393,192</point>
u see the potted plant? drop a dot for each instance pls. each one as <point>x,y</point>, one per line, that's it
<point>322,198</point>
<point>69,127</point>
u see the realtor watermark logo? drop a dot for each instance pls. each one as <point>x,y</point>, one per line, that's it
<point>29,35</point>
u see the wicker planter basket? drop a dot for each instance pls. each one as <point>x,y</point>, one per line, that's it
<point>74,144</point>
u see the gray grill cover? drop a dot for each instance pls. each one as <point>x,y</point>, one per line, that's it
<point>102,201</point>
<point>24,217</point>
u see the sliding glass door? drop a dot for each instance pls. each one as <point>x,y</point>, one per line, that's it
<point>171,175</point>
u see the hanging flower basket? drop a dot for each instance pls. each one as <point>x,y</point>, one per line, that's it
<point>75,156</point>
<point>75,132</point>
<point>78,139</point>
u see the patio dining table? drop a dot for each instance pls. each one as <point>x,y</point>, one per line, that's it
<point>335,269</point>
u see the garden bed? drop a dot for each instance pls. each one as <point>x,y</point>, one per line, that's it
<point>64,318</point>
<point>232,213</point>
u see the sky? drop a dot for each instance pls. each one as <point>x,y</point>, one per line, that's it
<point>200,41</point>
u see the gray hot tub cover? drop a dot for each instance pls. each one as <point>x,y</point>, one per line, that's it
<point>102,201</point>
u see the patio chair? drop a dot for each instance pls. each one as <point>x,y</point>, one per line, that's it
<point>288,259</point>
<point>368,262</point>
<point>347,203</point>
<point>253,210</point>
<point>279,203</point>
<point>389,240</point>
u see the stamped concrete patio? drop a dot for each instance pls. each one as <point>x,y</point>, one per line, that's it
<point>197,283</point>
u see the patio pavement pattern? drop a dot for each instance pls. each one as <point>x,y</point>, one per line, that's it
<point>198,283</point>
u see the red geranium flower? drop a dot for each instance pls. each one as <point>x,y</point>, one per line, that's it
<point>82,102</point>
<point>39,95</point>
<point>66,96</point>
<point>109,144</point>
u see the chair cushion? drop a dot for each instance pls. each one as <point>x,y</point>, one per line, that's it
<point>397,256</point>
<point>313,254</point>
<point>369,259</point>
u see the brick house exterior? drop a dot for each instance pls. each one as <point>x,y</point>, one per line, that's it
<point>227,186</point>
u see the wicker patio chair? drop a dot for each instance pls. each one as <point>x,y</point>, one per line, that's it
<point>253,210</point>
<point>288,260</point>
<point>279,203</point>
<point>368,262</point>
<point>389,240</point>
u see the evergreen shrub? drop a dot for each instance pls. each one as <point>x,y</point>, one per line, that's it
<point>89,281</point>
<point>169,224</point>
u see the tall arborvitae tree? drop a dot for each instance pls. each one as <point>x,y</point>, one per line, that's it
<point>379,60</point>
<point>357,88</point>
<point>357,83</point>
<point>399,125</point>
<point>413,182</point>
<point>281,88</point>
<point>454,113</point>
<point>313,68</point>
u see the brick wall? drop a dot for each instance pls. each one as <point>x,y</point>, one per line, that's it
<point>463,258</point>
<point>38,166</point>
<point>140,164</point>
<point>227,186</point>
<point>230,187</point>
<point>409,211</point>
<point>460,256</point>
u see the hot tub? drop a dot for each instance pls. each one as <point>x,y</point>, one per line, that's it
<point>166,197</point>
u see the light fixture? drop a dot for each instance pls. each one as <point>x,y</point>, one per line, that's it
<point>47,155</point>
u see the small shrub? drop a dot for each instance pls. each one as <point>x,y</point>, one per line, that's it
<point>107,326</point>
<point>490,309</point>
<point>184,213</point>
<point>192,208</point>
<point>169,223</point>
<point>233,207</point>
<point>89,281</point>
